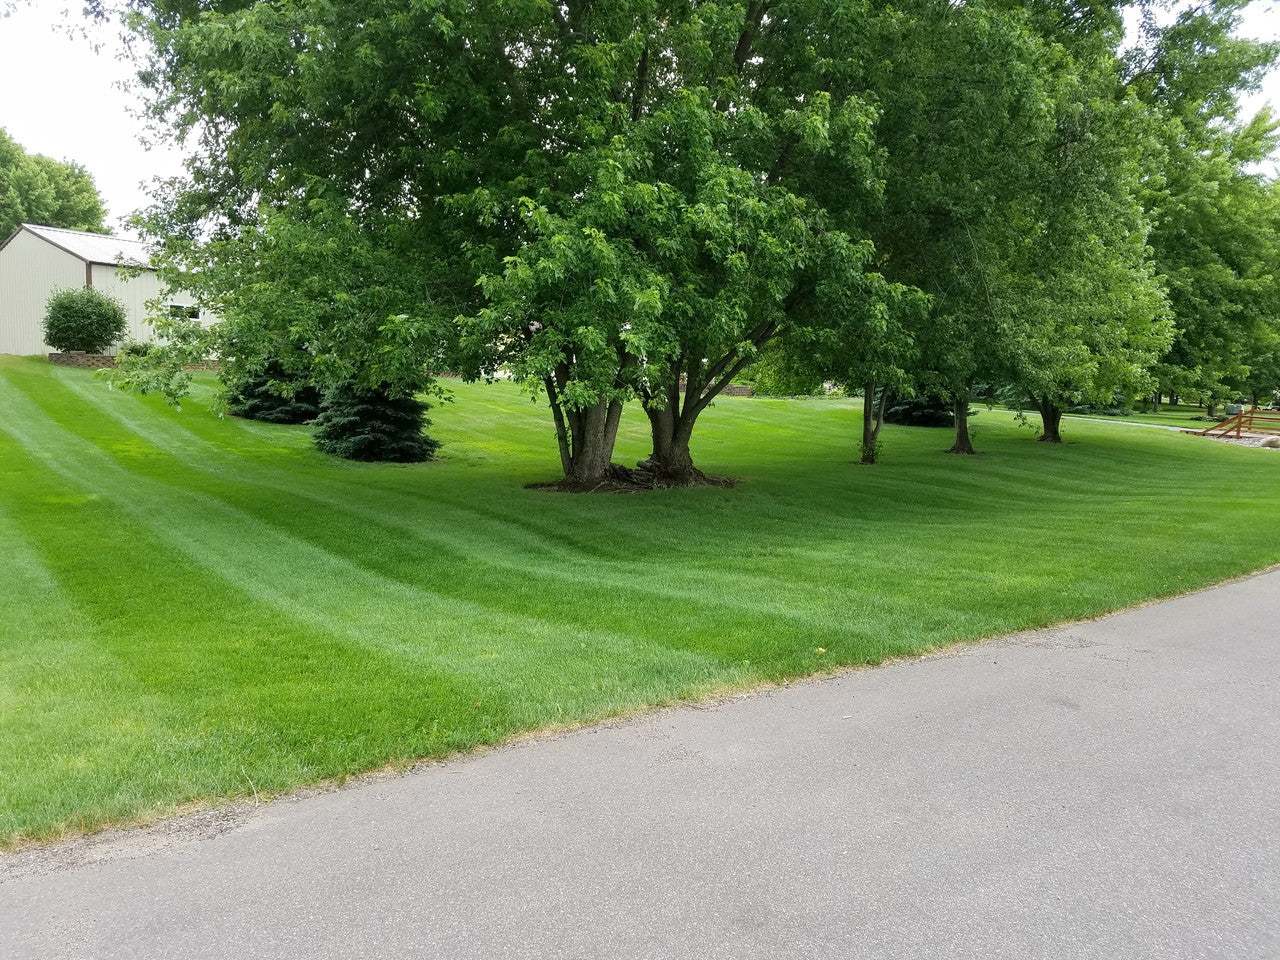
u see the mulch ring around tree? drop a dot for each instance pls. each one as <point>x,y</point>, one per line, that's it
<point>640,479</point>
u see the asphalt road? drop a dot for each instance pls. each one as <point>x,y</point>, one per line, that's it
<point>1107,789</point>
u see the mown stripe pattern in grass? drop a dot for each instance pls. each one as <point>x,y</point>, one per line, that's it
<point>198,607</point>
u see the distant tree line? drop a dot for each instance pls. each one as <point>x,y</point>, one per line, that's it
<point>636,200</point>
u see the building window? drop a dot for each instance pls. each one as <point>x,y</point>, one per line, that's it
<point>180,312</point>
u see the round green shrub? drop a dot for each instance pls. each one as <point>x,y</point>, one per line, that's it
<point>83,320</point>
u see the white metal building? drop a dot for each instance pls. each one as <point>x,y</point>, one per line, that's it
<point>36,262</point>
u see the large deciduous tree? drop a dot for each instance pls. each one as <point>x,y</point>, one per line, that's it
<point>614,200</point>
<point>1084,314</point>
<point>966,100</point>
<point>1214,236</point>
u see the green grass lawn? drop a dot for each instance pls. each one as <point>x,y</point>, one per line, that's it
<point>1180,415</point>
<point>1171,415</point>
<point>196,608</point>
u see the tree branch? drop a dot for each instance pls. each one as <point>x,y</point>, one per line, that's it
<point>884,402</point>
<point>693,381</point>
<point>562,22</point>
<point>784,157</point>
<point>723,363</point>
<point>673,389</point>
<point>755,16</point>
<point>562,433</point>
<point>642,84</point>
<point>714,389</point>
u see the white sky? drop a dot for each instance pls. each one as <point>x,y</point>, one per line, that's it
<point>60,98</point>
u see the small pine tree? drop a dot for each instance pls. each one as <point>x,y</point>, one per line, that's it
<point>374,424</point>
<point>255,398</point>
<point>924,410</point>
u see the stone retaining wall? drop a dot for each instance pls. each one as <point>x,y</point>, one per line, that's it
<point>78,358</point>
<point>99,361</point>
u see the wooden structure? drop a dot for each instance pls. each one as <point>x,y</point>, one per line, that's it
<point>1252,420</point>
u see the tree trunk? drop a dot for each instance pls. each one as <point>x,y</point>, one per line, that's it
<point>563,440</point>
<point>1155,402</point>
<point>870,424</point>
<point>593,431</point>
<point>1210,408</point>
<point>585,437</point>
<point>963,443</point>
<point>672,425</point>
<point>671,458</point>
<point>1051,416</point>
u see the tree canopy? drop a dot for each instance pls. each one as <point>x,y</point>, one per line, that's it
<point>633,200</point>
<point>1213,239</point>
<point>37,189</point>
<point>612,201</point>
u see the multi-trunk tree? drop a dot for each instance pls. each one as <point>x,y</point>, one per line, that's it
<point>718,157</point>
<point>614,201</point>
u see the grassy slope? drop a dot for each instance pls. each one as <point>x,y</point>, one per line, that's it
<point>1182,415</point>
<point>196,608</point>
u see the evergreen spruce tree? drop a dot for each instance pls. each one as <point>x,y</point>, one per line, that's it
<point>258,397</point>
<point>922,410</point>
<point>374,424</point>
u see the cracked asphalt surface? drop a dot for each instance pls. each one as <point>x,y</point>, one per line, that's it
<point>1108,789</point>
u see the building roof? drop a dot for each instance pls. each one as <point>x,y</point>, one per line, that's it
<point>95,247</point>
